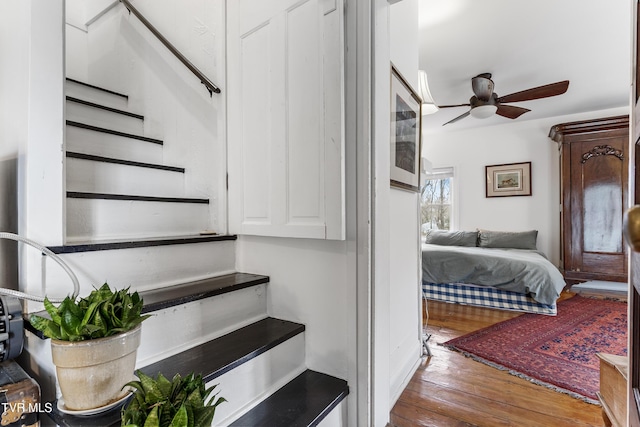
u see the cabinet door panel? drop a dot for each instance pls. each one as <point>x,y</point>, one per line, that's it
<point>602,186</point>
<point>286,118</point>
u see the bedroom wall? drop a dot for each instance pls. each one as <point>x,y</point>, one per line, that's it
<point>404,261</point>
<point>469,151</point>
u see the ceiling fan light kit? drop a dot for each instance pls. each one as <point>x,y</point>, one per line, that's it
<point>483,111</point>
<point>485,102</point>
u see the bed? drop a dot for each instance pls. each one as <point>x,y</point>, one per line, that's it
<point>490,269</point>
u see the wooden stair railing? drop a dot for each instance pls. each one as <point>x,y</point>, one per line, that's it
<point>203,79</point>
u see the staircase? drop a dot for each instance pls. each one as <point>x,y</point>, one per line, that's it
<point>112,194</point>
<point>127,207</point>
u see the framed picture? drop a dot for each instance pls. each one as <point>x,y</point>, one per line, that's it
<point>512,179</point>
<point>406,141</point>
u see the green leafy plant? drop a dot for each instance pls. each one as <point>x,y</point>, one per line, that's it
<point>103,313</point>
<point>162,403</point>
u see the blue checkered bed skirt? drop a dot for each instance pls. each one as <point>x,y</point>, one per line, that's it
<point>483,296</point>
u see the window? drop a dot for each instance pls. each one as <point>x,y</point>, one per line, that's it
<point>436,206</point>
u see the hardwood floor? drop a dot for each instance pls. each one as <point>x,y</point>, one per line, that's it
<point>449,389</point>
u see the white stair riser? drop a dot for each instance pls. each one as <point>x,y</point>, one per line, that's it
<point>96,219</point>
<point>140,269</point>
<point>101,177</point>
<point>102,118</point>
<point>337,417</point>
<point>102,144</point>
<point>95,95</point>
<point>250,383</point>
<point>178,328</point>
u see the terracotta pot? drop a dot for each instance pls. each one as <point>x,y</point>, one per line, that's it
<point>91,373</point>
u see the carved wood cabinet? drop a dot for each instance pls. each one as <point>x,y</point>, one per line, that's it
<point>594,187</point>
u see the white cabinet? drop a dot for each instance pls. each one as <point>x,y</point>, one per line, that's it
<point>285,134</point>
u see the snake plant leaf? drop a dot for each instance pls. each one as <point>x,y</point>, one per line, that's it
<point>208,391</point>
<point>195,399</point>
<point>100,323</point>
<point>90,313</point>
<point>152,392</point>
<point>90,330</point>
<point>204,416</point>
<point>69,305</point>
<point>180,419</point>
<point>40,323</point>
<point>152,419</point>
<point>104,292</point>
<point>52,310</point>
<point>167,411</point>
<point>164,385</point>
<point>134,384</point>
<point>106,310</point>
<point>71,323</point>
<point>190,415</point>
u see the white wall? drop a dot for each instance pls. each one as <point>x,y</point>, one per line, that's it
<point>14,42</point>
<point>308,284</point>
<point>404,260</point>
<point>469,151</point>
<point>31,114</point>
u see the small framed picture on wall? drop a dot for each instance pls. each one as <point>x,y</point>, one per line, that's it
<point>512,179</point>
<point>406,140</point>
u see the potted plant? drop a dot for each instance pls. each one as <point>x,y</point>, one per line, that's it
<point>94,341</point>
<point>181,402</point>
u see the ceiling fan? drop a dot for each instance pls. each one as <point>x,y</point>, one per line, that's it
<point>485,102</point>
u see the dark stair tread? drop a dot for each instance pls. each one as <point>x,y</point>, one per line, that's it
<point>104,107</point>
<point>94,158</point>
<point>113,132</point>
<point>106,245</point>
<point>171,296</point>
<point>135,198</point>
<point>304,401</point>
<point>109,418</point>
<point>98,88</point>
<point>158,299</point>
<point>222,354</point>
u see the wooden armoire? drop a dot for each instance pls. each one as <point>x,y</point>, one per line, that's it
<point>594,185</point>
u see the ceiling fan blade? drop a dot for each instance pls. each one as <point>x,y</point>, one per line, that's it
<point>545,91</point>
<point>511,111</point>
<point>452,106</point>
<point>461,116</point>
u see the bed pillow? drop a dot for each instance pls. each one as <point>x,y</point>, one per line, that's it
<point>452,238</point>
<point>508,239</point>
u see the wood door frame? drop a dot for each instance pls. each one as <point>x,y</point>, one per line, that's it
<point>633,397</point>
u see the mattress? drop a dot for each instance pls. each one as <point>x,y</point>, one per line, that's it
<point>526,272</point>
<point>484,296</point>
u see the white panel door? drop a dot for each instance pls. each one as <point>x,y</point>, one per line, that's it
<point>286,118</point>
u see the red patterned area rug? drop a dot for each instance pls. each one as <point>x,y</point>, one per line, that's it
<point>555,351</point>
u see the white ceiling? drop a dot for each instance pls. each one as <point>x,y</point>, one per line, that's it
<point>524,44</point>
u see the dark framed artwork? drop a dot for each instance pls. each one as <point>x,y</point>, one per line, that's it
<point>511,179</point>
<point>406,140</point>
